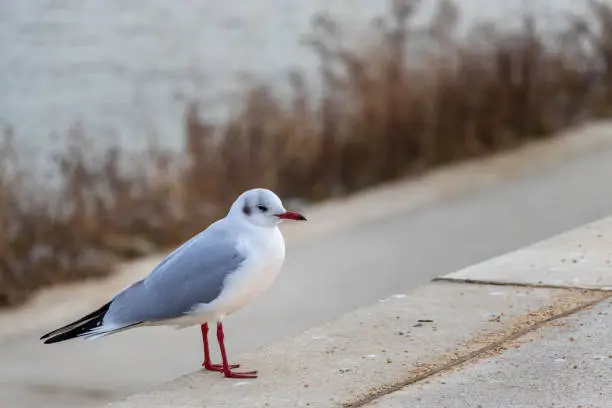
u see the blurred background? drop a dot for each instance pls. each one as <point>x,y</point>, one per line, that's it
<point>127,127</point>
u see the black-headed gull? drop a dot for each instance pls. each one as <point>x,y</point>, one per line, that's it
<point>212,275</point>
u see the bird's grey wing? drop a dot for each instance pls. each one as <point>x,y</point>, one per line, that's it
<point>192,274</point>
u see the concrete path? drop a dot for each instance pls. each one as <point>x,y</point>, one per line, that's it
<point>325,276</point>
<point>565,365</point>
<point>450,343</point>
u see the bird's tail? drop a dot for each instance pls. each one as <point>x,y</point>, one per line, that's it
<point>85,326</point>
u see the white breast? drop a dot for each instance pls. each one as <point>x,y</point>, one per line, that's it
<point>265,256</point>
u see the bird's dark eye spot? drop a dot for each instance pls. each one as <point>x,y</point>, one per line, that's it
<point>262,208</point>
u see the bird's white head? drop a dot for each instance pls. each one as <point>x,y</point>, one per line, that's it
<point>263,208</point>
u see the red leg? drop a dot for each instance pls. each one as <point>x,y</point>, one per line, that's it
<point>226,367</point>
<point>207,363</point>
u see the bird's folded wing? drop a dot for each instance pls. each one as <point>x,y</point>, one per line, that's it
<point>193,274</point>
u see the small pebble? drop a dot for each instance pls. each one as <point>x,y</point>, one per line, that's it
<point>241,383</point>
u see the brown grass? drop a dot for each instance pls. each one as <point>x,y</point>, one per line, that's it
<point>388,109</point>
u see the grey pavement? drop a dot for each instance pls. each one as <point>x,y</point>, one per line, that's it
<point>322,279</point>
<point>365,351</point>
<point>562,261</point>
<point>445,344</point>
<point>568,364</point>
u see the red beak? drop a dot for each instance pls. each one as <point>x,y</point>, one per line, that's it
<point>291,215</point>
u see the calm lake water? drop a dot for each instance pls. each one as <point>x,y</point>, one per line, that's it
<point>125,68</point>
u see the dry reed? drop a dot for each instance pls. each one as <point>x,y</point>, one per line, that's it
<point>388,109</point>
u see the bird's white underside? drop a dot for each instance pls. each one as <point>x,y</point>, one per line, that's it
<point>266,249</point>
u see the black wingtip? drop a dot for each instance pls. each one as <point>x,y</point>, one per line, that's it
<point>47,335</point>
<point>62,337</point>
<point>76,328</point>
